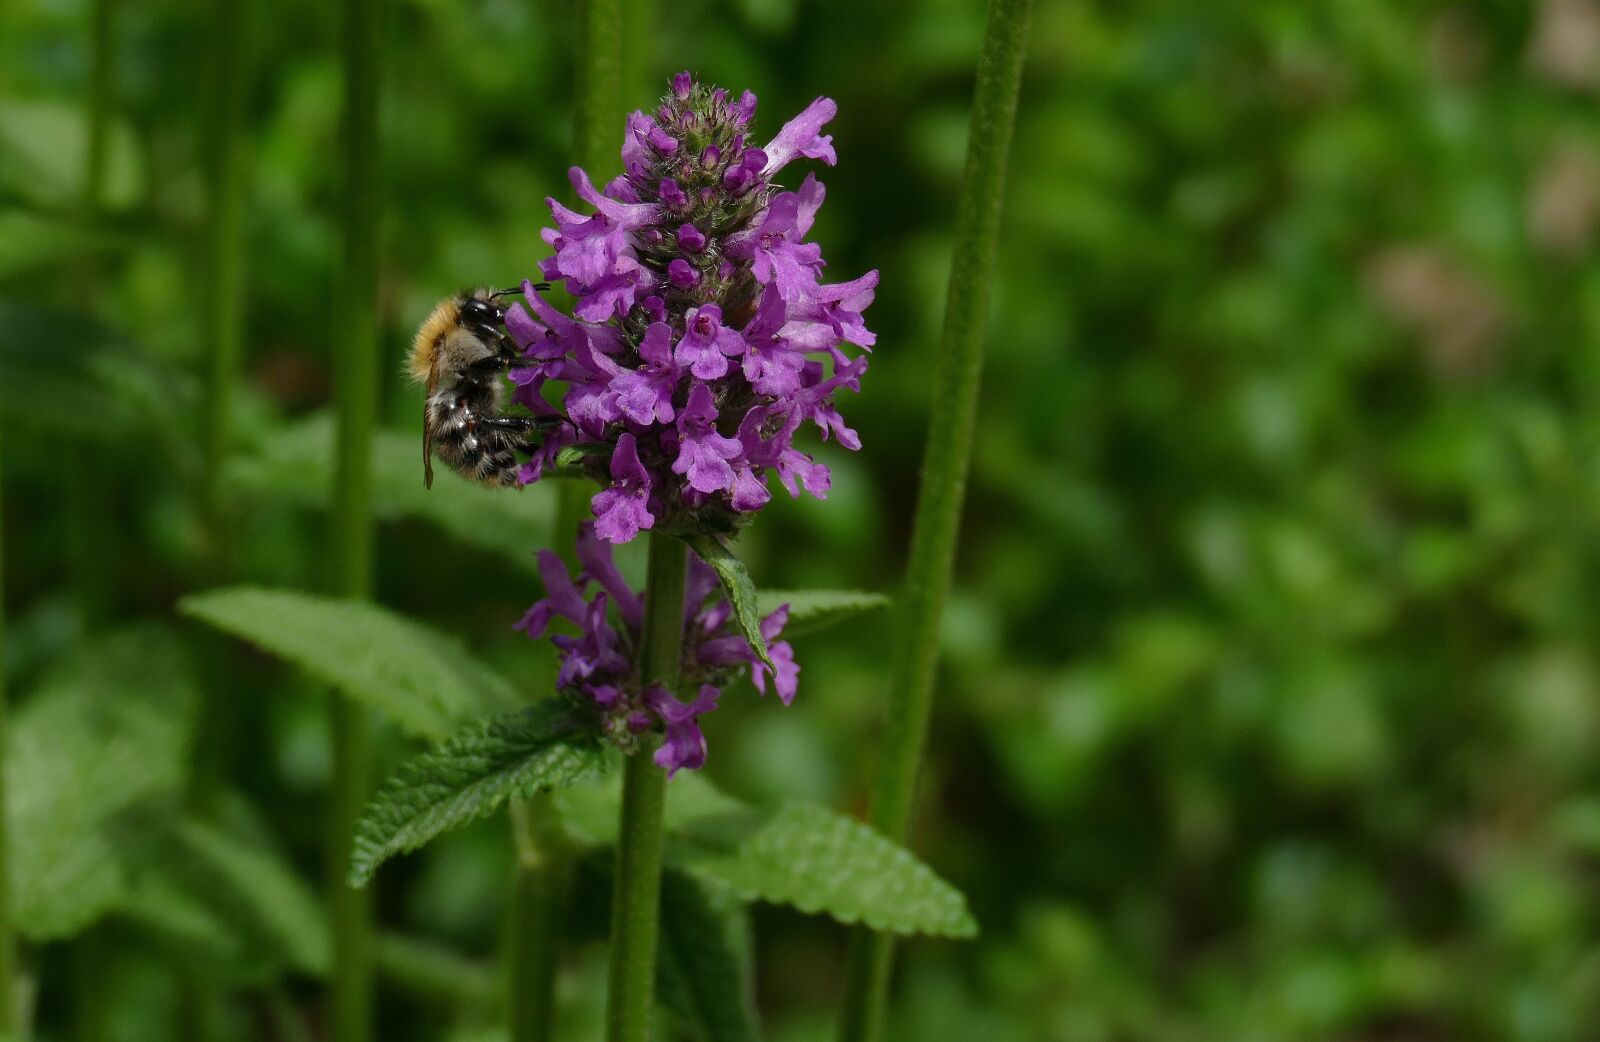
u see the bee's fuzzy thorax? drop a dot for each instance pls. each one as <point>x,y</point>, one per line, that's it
<point>429,335</point>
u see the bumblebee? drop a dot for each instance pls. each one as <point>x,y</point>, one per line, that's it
<point>460,353</point>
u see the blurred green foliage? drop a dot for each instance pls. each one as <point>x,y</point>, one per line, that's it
<point>1271,698</point>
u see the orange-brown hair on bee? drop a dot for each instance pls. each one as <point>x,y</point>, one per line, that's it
<point>425,345</point>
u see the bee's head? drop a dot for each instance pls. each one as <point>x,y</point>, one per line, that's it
<point>476,311</point>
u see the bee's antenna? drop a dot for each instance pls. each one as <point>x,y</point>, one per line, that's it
<point>514,290</point>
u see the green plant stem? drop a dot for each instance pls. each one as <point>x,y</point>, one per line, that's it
<point>222,332</point>
<point>636,893</point>
<point>102,65</point>
<point>937,520</point>
<point>356,368</point>
<point>538,903</point>
<point>639,54</point>
<point>223,274</point>
<point>599,103</point>
<point>91,544</point>
<point>8,944</point>
<point>540,879</point>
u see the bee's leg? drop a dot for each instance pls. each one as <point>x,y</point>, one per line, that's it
<point>518,424</point>
<point>492,365</point>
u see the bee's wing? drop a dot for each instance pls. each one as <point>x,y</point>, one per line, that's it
<point>427,427</point>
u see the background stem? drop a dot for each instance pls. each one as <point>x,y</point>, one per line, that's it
<point>356,370</point>
<point>102,66</point>
<point>937,521</point>
<point>223,272</point>
<point>599,108</point>
<point>539,881</point>
<point>636,895</point>
<point>91,544</point>
<point>8,944</point>
<point>538,906</point>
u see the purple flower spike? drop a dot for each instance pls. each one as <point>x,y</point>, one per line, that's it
<point>621,511</point>
<point>699,311</point>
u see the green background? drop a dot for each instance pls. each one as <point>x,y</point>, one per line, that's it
<point>1270,701</point>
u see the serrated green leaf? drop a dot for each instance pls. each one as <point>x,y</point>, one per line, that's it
<point>108,731</point>
<point>799,854</point>
<point>735,579</point>
<point>702,976</point>
<point>470,776</point>
<point>426,682</point>
<point>807,856</point>
<point>813,610</point>
<point>295,466</point>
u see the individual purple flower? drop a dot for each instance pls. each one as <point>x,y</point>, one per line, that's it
<point>839,306</point>
<point>800,137</point>
<point>598,567</point>
<point>787,677</point>
<point>683,745</point>
<point>644,395</point>
<point>622,510</point>
<point>775,247</point>
<point>561,598</point>
<point>772,362</point>
<point>703,454</point>
<point>707,344</point>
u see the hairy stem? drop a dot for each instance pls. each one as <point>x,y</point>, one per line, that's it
<point>936,523</point>
<point>636,894</point>
<point>356,370</point>
<point>538,912</point>
<point>599,108</point>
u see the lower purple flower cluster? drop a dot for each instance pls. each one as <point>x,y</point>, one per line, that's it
<point>599,664</point>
